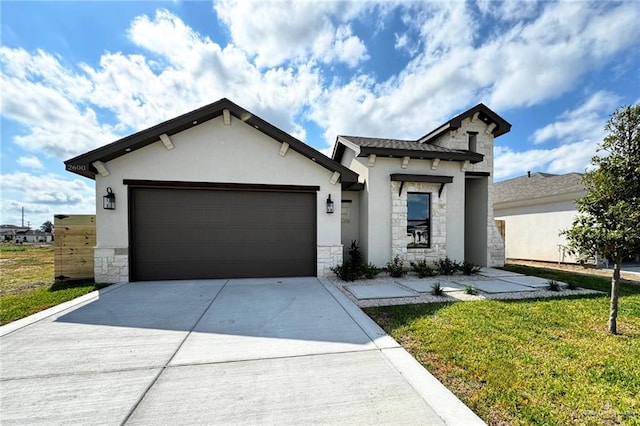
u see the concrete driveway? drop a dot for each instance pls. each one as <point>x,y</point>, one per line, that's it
<point>268,351</point>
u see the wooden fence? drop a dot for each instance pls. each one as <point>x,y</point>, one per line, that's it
<point>75,238</point>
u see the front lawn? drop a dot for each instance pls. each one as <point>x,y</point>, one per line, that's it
<point>27,285</point>
<point>535,361</point>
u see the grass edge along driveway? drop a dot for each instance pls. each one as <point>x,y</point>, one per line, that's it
<point>27,285</point>
<point>535,361</point>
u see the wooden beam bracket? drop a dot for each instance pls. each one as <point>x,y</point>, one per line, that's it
<point>334,178</point>
<point>101,168</point>
<point>405,162</point>
<point>166,141</point>
<point>284,147</point>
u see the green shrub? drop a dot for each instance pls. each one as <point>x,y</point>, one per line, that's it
<point>352,269</point>
<point>355,258</point>
<point>370,271</point>
<point>553,285</point>
<point>471,290</point>
<point>346,271</point>
<point>436,289</point>
<point>469,268</point>
<point>423,270</point>
<point>447,266</point>
<point>396,267</point>
<point>571,285</point>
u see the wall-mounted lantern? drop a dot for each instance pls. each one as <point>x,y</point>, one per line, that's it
<point>329,204</point>
<point>109,200</point>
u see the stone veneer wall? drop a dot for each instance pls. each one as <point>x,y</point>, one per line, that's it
<point>328,256</point>
<point>496,247</point>
<point>399,222</point>
<point>495,242</point>
<point>111,265</point>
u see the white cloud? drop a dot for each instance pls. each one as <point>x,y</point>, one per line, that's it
<point>579,132</point>
<point>192,71</point>
<point>272,68</point>
<point>547,57</point>
<point>30,162</point>
<point>585,122</point>
<point>42,196</point>
<point>48,189</point>
<point>347,48</point>
<point>298,31</point>
<point>508,10</point>
<point>47,100</point>
<point>527,63</point>
<point>566,158</point>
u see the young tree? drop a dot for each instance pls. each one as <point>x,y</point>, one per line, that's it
<point>608,222</point>
<point>47,227</point>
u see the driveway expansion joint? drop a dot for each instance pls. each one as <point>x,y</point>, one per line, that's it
<point>166,365</point>
<point>267,358</point>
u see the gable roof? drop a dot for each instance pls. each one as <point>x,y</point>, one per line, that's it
<point>423,147</point>
<point>485,114</point>
<point>83,164</point>
<point>538,186</point>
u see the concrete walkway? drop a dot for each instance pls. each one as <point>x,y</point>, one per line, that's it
<point>272,351</point>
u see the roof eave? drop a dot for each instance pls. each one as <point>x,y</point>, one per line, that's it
<point>547,199</point>
<point>83,164</point>
<point>472,157</point>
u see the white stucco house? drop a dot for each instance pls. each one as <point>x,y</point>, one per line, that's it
<point>535,209</point>
<point>219,193</point>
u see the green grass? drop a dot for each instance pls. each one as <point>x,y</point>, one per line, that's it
<point>541,361</point>
<point>16,306</point>
<point>27,285</point>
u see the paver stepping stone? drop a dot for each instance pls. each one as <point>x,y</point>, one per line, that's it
<point>426,286</point>
<point>493,272</point>
<point>380,291</point>
<point>535,282</point>
<point>499,286</point>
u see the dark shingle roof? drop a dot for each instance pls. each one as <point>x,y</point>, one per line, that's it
<point>539,185</point>
<point>396,144</point>
<point>401,148</point>
<point>423,147</point>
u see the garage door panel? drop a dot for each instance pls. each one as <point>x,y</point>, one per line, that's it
<point>197,233</point>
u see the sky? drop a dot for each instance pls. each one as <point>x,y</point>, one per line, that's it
<point>78,75</point>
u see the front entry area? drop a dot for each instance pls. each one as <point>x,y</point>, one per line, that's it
<point>196,233</point>
<point>475,220</point>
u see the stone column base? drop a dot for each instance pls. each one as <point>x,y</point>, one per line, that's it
<point>111,264</point>
<point>327,257</point>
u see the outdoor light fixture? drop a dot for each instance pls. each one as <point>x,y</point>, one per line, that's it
<point>329,204</point>
<point>109,200</point>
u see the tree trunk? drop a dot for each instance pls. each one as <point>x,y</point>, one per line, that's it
<point>613,309</point>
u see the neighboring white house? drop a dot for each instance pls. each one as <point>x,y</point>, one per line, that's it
<point>11,232</point>
<point>536,208</point>
<point>219,193</point>
<point>37,236</point>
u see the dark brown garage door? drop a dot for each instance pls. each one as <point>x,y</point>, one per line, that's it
<point>208,233</point>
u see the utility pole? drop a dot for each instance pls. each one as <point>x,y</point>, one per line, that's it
<point>23,216</point>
